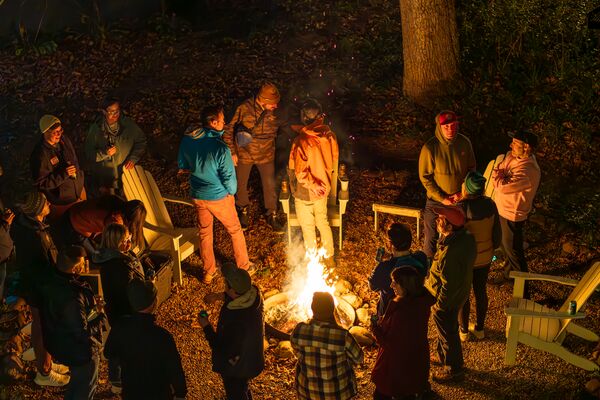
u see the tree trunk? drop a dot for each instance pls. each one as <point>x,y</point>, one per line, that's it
<point>430,48</point>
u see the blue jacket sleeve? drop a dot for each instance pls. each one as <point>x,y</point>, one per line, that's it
<point>226,170</point>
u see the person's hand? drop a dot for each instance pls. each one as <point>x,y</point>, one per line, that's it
<point>448,201</point>
<point>8,216</point>
<point>213,298</point>
<point>319,190</point>
<point>456,197</point>
<point>111,151</point>
<point>204,322</point>
<point>72,171</point>
<point>234,157</point>
<point>128,164</point>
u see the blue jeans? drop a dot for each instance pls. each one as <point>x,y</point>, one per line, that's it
<point>84,380</point>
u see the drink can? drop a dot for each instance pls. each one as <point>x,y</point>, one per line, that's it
<point>572,307</point>
<point>380,254</point>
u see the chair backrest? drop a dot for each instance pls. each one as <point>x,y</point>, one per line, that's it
<point>489,186</point>
<point>139,184</point>
<point>584,289</point>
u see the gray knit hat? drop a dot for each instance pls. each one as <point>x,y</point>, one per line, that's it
<point>33,203</point>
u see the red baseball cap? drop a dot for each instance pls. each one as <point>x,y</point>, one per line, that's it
<point>447,117</point>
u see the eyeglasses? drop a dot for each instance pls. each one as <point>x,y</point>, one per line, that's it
<point>112,113</point>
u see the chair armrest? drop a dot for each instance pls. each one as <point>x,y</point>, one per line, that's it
<point>162,231</point>
<point>175,199</point>
<point>541,277</point>
<point>519,312</point>
<point>343,196</point>
<point>284,199</point>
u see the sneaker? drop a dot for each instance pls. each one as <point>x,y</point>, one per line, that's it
<point>60,369</point>
<point>207,279</point>
<point>464,336</point>
<point>251,269</point>
<point>243,217</point>
<point>479,335</point>
<point>274,223</point>
<point>116,387</point>
<point>52,379</point>
<point>446,375</point>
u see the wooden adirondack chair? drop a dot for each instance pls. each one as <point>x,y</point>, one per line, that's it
<point>159,231</point>
<point>336,205</point>
<point>489,186</point>
<point>543,328</point>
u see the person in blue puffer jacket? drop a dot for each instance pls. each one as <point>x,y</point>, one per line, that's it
<point>207,159</point>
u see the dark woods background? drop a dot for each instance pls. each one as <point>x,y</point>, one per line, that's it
<point>531,64</point>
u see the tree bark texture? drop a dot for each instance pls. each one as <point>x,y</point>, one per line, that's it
<point>430,48</point>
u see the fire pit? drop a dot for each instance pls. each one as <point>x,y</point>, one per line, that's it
<point>281,315</point>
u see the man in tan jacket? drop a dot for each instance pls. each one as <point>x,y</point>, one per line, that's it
<point>312,161</point>
<point>444,162</point>
<point>251,135</point>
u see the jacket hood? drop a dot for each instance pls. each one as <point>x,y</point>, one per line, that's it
<point>30,223</point>
<point>438,131</point>
<point>195,132</point>
<point>316,128</point>
<point>104,255</point>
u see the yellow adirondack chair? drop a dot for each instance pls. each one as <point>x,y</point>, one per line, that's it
<point>543,328</point>
<point>336,205</point>
<point>489,186</point>
<point>159,231</point>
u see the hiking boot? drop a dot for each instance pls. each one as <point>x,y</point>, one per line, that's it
<point>251,269</point>
<point>479,335</point>
<point>207,279</point>
<point>446,375</point>
<point>243,217</point>
<point>116,387</point>
<point>274,223</point>
<point>52,379</point>
<point>60,369</point>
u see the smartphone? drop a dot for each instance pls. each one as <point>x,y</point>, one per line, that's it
<point>203,314</point>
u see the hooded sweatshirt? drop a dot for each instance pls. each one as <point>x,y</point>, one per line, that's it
<point>207,157</point>
<point>516,181</point>
<point>444,164</point>
<point>313,157</point>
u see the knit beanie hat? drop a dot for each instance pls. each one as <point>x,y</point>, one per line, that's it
<point>323,306</point>
<point>33,203</point>
<point>475,183</point>
<point>141,294</point>
<point>47,121</point>
<point>268,93</point>
<point>238,279</point>
<point>455,215</point>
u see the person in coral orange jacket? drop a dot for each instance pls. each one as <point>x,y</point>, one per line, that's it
<point>313,157</point>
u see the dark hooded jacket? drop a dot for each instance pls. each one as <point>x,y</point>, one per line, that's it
<point>444,164</point>
<point>237,344</point>
<point>117,269</point>
<point>71,332</point>
<point>35,254</point>
<point>150,363</point>
<point>48,169</point>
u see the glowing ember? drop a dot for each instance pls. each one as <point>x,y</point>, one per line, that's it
<point>315,277</point>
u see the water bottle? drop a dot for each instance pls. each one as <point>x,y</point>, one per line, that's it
<point>572,307</point>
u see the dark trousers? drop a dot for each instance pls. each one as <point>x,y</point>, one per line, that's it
<point>236,388</point>
<point>512,245</point>
<point>480,275</point>
<point>114,370</point>
<point>448,348</point>
<point>267,178</point>
<point>84,380</point>
<point>429,229</point>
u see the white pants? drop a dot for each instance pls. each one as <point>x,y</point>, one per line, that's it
<point>313,214</point>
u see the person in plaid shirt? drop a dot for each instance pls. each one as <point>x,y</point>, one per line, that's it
<point>326,353</point>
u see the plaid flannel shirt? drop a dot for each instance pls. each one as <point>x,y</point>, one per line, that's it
<point>325,356</point>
